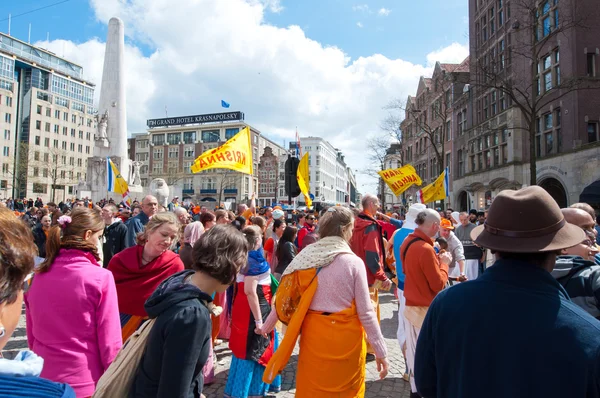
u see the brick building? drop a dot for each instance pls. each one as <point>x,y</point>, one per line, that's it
<point>492,147</point>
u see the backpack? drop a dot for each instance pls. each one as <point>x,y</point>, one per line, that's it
<point>118,378</point>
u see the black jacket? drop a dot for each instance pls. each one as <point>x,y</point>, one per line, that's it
<point>39,237</point>
<point>179,342</point>
<point>581,279</point>
<point>286,254</point>
<point>114,240</point>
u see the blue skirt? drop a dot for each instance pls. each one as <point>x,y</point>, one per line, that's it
<point>245,378</point>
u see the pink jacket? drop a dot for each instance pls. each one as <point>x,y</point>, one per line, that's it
<point>73,320</point>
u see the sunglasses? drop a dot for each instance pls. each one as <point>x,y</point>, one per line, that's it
<point>310,218</point>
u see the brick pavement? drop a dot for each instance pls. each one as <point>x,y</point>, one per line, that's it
<point>393,385</point>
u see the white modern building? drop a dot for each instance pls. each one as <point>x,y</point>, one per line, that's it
<point>47,122</point>
<point>328,175</point>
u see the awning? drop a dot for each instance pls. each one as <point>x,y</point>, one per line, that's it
<point>208,200</point>
<point>591,193</point>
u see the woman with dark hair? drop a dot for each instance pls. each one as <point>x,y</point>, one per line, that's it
<point>179,343</point>
<point>139,269</point>
<point>72,312</point>
<point>286,250</point>
<point>252,303</point>
<point>208,219</point>
<point>20,376</point>
<point>271,243</point>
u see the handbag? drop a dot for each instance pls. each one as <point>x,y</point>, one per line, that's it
<point>118,378</point>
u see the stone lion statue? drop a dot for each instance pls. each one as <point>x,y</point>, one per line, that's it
<point>160,189</point>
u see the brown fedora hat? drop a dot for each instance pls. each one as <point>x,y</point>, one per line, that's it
<point>526,221</point>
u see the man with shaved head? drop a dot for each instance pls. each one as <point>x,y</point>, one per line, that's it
<point>576,269</point>
<point>426,275</point>
<point>136,224</point>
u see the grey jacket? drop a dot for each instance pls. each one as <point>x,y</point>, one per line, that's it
<point>581,280</point>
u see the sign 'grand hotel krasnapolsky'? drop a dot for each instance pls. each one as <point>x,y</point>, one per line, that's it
<point>208,118</point>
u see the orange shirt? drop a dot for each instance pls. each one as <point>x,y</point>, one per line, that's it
<point>269,248</point>
<point>425,275</point>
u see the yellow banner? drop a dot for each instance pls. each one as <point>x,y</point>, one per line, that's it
<point>235,154</point>
<point>304,179</point>
<point>399,180</point>
<point>437,190</point>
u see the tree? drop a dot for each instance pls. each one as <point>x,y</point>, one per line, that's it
<point>518,70</point>
<point>378,148</point>
<point>16,168</point>
<point>57,166</point>
<point>226,180</point>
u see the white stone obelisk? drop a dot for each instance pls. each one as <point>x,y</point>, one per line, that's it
<point>111,136</point>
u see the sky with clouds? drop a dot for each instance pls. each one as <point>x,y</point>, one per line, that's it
<point>325,67</point>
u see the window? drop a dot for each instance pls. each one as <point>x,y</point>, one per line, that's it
<point>37,140</point>
<point>44,172</point>
<point>547,19</point>
<point>8,101</point>
<point>55,143</point>
<point>38,124</point>
<point>189,137</point>
<point>73,118</point>
<point>492,21</point>
<point>87,149</point>
<point>158,139</point>
<point>592,131</point>
<point>56,128</point>
<point>7,134</point>
<point>56,114</point>
<point>173,153</point>
<point>591,64</point>
<point>210,136</point>
<point>64,145</point>
<point>157,153</point>
<point>66,116</point>
<point>79,162</point>
<point>48,112</point>
<point>173,138</point>
<point>88,136</point>
<point>80,148</point>
<point>7,117</point>
<point>65,130</point>
<point>461,163</point>
<point>141,144</point>
<point>188,151</point>
<point>80,134</point>
<point>72,146</point>
<point>6,151</point>
<point>229,133</point>
<point>40,188</point>
<point>47,127</point>
<point>46,158</point>
<point>36,156</point>
<point>39,109</point>
<point>47,142</point>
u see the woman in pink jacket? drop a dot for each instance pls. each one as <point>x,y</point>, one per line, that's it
<point>71,307</point>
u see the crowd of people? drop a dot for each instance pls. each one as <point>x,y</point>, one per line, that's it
<point>489,303</point>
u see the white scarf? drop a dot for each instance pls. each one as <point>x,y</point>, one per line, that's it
<point>319,254</point>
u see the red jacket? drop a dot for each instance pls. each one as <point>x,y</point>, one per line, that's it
<point>305,230</point>
<point>367,243</point>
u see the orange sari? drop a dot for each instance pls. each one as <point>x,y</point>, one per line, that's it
<point>332,348</point>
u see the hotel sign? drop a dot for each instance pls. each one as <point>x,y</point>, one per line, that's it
<point>208,118</point>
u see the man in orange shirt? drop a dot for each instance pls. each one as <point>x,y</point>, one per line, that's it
<point>426,275</point>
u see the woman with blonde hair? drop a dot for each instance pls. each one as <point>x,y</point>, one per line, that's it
<point>332,316</point>
<point>138,270</point>
<point>72,312</point>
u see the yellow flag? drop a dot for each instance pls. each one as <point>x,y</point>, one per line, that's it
<point>399,180</point>
<point>437,190</point>
<point>304,179</point>
<point>235,154</point>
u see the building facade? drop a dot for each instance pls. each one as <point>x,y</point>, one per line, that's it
<point>493,147</point>
<point>327,171</point>
<point>47,122</point>
<point>427,128</point>
<point>394,158</point>
<point>168,151</point>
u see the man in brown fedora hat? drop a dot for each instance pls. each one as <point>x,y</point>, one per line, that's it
<point>513,332</point>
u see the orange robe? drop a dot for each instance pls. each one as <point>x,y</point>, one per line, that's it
<point>331,362</point>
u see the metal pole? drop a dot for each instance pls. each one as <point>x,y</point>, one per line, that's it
<point>289,187</point>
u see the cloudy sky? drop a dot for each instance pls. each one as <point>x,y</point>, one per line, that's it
<point>325,67</point>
